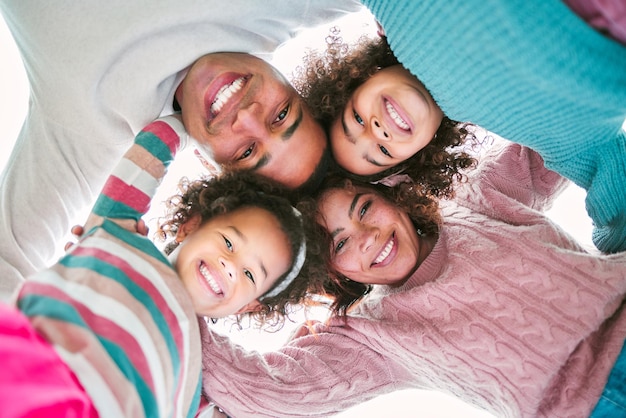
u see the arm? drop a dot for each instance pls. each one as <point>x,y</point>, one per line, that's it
<point>129,189</point>
<point>507,176</point>
<point>309,377</point>
<point>519,173</point>
<point>538,75</point>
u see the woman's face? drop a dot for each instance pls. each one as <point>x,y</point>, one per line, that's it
<point>387,120</point>
<point>374,242</point>
<point>231,260</point>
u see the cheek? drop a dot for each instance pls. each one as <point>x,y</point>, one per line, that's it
<point>409,149</point>
<point>346,263</point>
<point>385,216</point>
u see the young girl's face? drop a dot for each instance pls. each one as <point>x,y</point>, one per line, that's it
<point>231,260</point>
<point>374,241</point>
<point>388,119</point>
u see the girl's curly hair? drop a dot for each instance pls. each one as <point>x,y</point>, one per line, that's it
<point>422,208</point>
<point>327,80</point>
<point>211,197</point>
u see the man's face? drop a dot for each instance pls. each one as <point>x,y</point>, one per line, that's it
<point>249,117</point>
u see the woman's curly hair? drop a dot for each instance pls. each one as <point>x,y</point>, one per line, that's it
<point>422,208</point>
<point>211,197</point>
<point>327,80</point>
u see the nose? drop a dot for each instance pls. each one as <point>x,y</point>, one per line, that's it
<point>369,235</point>
<point>249,119</point>
<point>379,130</point>
<point>229,267</point>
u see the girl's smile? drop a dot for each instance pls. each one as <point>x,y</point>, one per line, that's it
<point>231,259</point>
<point>388,119</point>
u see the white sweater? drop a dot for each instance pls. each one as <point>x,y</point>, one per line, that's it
<point>99,72</point>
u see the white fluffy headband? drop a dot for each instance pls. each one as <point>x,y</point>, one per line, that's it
<point>295,268</point>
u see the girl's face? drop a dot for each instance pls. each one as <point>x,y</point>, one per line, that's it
<point>374,242</point>
<point>231,260</point>
<point>388,119</point>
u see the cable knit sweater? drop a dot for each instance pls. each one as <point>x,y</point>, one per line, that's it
<point>514,317</point>
<point>534,73</point>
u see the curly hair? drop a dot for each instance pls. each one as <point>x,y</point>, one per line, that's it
<point>422,208</point>
<point>211,197</point>
<point>327,80</point>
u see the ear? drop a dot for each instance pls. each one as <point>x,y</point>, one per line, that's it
<point>188,227</point>
<point>253,306</point>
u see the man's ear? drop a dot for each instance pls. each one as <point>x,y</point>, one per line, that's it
<point>253,306</point>
<point>188,227</point>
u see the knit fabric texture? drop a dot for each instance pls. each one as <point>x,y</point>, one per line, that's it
<point>99,72</point>
<point>507,313</point>
<point>531,72</point>
<point>114,308</point>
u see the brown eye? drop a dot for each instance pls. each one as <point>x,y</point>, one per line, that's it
<point>246,153</point>
<point>340,245</point>
<point>384,151</point>
<point>282,115</point>
<point>358,118</point>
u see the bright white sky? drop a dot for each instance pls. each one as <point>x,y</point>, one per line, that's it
<point>568,211</point>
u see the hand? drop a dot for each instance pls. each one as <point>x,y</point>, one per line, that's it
<point>218,413</point>
<point>210,410</point>
<point>139,227</point>
<point>303,329</point>
<point>380,30</point>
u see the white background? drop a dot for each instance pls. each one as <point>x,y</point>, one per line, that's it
<point>568,211</point>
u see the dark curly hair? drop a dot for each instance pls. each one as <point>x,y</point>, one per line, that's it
<point>211,197</point>
<point>327,80</point>
<point>422,208</point>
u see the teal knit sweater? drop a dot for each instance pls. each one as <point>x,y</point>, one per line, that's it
<point>532,72</point>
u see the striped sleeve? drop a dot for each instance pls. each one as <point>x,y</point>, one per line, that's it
<point>128,191</point>
<point>114,308</point>
<point>121,319</point>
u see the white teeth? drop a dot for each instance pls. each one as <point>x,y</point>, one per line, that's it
<point>385,252</point>
<point>225,93</point>
<point>208,278</point>
<point>396,117</point>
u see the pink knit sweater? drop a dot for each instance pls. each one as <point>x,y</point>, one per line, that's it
<point>514,317</point>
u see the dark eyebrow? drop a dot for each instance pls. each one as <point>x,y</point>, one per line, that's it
<point>238,233</point>
<point>336,232</point>
<point>376,163</point>
<point>353,204</point>
<point>266,158</point>
<point>346,131</point>
<point>262,162</point>
<point>292,129</point>
<point>350,213</point>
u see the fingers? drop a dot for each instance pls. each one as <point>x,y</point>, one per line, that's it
<point>380,30</point>
<point>142,228</point>
<point>134,226</point>
<point>303,329</point>
<point>77,231</point>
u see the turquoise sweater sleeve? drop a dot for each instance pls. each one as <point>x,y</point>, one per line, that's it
<point>532,72</point>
